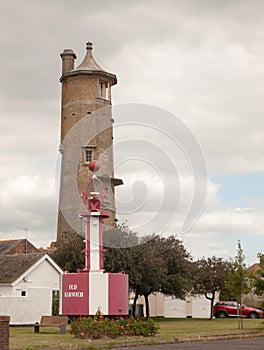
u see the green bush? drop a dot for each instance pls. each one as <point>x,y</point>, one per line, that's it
<point>99,326</point>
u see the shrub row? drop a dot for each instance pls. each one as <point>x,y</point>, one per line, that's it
<point>99,326</point>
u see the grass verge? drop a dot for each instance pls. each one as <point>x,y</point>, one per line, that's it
<point>171,330</point>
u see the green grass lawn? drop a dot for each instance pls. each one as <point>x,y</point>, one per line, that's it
<point>24,338</point>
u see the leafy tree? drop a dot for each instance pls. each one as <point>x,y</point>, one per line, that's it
<point>258,281</point>
<point>209,278</point>
<point>178,278</point>
<point>237,280</point>
<point>144,266</point>
<point>155,265</point>
<point>69,253</point>
<point>120,237</point>
<point>148,270</point>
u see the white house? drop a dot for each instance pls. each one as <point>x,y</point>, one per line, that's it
<point>29,283</point>
<point>160,305</point>
<point>193,306</point>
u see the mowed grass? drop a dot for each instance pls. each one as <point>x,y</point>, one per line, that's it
<point>195,327</point>
<point>24,338</point>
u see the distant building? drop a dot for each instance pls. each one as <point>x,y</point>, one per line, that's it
<point>29,286</point>
<point>253,269</point>
<point>251,299</point>
<point>17,246</point>
<point>160,305</point>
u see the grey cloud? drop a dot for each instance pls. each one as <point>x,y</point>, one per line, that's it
<point>201,60</point>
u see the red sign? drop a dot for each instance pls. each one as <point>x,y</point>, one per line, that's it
<point>75,294</point>
<point>118,294</point>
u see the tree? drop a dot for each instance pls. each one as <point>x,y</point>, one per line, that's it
<point>120,237</point>
<point>258,280</point>
<point>149,269</point>
<point>144,265</point>
<point>155,265</point>
<point>209,278</point>
<point>69,253</point>
<point>178,278</point>
<point>237,281</point>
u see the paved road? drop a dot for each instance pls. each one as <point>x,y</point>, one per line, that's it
<point>234,344</point>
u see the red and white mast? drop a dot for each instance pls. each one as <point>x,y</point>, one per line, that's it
<point>94,252</point>
<point>90,289</point>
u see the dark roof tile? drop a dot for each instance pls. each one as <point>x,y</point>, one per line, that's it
<point>16,246</point>
<point>14,265</point>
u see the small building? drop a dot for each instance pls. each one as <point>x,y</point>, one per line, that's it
<point>17,246</point>
<point>29,286</point>
<point>251,299</point>
<point>193,306</point>
<point>160,305</point>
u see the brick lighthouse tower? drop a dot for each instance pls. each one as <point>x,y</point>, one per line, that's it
<point>86,127</point>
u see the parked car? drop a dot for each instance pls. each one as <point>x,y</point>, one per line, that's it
<point>232,308</point>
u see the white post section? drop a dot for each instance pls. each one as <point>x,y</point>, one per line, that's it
<point>94,241</point>
<point>98,293</point>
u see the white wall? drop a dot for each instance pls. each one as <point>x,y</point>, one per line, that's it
<point>29,309</point>
<point>156,304</point>
<point>200,307</point>
<point>38,286</point>
<point>174,307</point>
<point>6,290</point>
<point>44,275</point>
<point>168,306</point>
<point>193,306</point>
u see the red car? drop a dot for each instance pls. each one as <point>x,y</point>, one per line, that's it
<point>231,308</point>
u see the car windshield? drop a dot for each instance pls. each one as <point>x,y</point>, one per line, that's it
<point>231,304</point>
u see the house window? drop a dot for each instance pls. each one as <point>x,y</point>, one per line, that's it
<point>23,293</point>
<point>88,155</point>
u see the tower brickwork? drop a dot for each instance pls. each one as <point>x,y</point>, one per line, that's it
<point>87,89</point>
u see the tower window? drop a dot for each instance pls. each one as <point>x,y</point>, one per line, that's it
<point>107,94</point>
<point>106,194</point>
<point>88,155</point>
<point>64,235</point>
<point>23,293</point>
<point>101,90</point>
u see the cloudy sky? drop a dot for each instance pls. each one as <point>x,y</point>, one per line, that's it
<point>200,60</point>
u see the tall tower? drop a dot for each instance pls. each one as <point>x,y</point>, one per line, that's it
<point>86,93</point>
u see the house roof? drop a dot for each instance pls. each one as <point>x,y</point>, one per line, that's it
<point>14,265</point>
<point>254,268</point>
<point>9,246</point>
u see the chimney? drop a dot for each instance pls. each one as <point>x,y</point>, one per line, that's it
<point>68,57</point>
